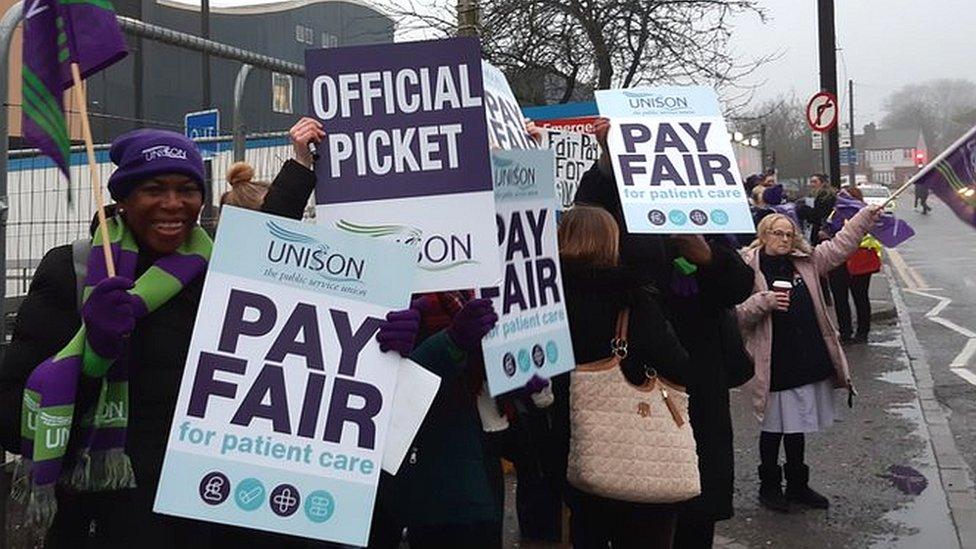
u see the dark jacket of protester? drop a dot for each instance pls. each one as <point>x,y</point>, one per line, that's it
<point>594,297</point>
<point>706,327</point>
<point>816,215</point>
<point>443,491</point>
<point>159,344</point>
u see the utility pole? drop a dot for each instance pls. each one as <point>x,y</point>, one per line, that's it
<point>468,18</point>
<point>828,80</point>
<point>852,166</point>
<point>205,34</point>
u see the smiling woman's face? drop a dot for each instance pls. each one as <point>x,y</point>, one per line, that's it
<point>162,211</point>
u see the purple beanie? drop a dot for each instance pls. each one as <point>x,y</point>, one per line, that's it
<point>143,154</point>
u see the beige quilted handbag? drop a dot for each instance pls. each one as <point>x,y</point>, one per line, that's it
<point>630,443</point>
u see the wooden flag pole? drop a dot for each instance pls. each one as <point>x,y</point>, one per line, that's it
<point>96,181</point>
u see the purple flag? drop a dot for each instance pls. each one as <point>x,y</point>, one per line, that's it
<point>94,38</point>
<point>56,34</point>
<point>952,177</point>
<point>789,210</point>
<point>889,230</point>
<point>45,50</point>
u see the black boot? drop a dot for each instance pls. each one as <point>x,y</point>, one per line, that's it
<point>798,489</point>
<point>771,489</point>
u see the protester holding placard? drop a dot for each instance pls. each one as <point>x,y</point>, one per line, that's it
<point>598,289</point>
<point>798,357</point>
<point>443,493</point>
<point>122,351</point>
<point>697,295</point>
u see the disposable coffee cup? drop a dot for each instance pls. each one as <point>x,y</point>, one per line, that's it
<point>782,287</point>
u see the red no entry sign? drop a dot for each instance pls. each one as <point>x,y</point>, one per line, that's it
<point>822,112</point>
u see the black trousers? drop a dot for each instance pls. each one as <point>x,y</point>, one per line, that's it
<point>694,534</point>
<point>599,523</point>
<point>842,283</point>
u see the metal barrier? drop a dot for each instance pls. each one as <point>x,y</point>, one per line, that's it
<point>34,211</point>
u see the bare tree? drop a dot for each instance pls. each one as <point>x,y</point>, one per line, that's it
<point>788,137</point>
<point>942,109</point>
<point>564,45</point>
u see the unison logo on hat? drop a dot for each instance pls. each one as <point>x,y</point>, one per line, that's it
<point>164,151</point>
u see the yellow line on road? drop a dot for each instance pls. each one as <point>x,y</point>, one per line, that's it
<point>912,279</point>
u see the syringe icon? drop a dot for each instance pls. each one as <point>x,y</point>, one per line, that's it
<point>250,495</point>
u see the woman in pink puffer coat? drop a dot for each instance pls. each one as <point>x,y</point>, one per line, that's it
<point>793,340</point>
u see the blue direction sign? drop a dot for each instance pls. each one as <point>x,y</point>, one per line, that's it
<point>202,124</point>
<point>848,156</point>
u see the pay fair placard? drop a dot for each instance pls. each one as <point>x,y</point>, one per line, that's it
<point>532,334</point>
<point>282,414</point>
<point>673,161</point>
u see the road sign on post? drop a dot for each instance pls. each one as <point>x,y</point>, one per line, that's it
<point>202,124</point>
<point>817,141</point>
<point>822,112</point>
<point>848,157</point>
<point>845,136</point>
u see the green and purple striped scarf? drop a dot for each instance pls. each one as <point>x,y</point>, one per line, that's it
<point>49,396</point>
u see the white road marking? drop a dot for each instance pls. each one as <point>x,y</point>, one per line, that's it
<point>915,283</point>
<point>964,356</point>
<point>953,326</point>
<point>964,374</point>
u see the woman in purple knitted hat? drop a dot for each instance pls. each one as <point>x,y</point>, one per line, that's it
<point>119,344</point>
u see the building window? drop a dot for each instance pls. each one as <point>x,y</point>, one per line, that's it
<point>329,40</point>
<point>281,93</point>
<point>305,35</point>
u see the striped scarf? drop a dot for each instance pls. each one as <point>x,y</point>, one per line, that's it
<point>51,390</point>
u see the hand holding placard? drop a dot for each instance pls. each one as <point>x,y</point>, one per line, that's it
<point>472,322</point>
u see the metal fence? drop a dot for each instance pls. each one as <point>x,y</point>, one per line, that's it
<point>42,216</point>
<point>36,211</point>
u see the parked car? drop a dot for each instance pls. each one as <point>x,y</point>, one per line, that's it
<point>877,194</point>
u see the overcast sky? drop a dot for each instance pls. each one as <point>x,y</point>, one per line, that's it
<point>884,45</point>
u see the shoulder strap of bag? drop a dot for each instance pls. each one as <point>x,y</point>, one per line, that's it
<point>623,319</point>
<point>80,250</point>
<point>618,347</point>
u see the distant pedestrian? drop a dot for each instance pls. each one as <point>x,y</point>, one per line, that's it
<point>798,357</point>
<point>922,197</point>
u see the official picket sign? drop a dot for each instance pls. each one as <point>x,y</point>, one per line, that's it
<point>532,334</point>
<point>282,414</point>
<point>673,161</point>
<point>575,153</point>
<point>506,125</point>
<point>405,157</point>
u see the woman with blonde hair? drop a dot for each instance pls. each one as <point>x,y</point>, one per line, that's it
<point>789,332</point>
<point>597,289</point>
<point>244,192</point>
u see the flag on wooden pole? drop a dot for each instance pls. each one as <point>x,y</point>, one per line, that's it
<point>56,34</point>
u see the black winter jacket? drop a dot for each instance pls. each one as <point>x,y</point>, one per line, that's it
<point>158,348</point>
<point>594,297</point>
<point>703,324</point>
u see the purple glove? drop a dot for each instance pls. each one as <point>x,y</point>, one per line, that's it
<point>399,332</point>
<point>471,323</point>
<point>109,316</point>
<point>536,384</point>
